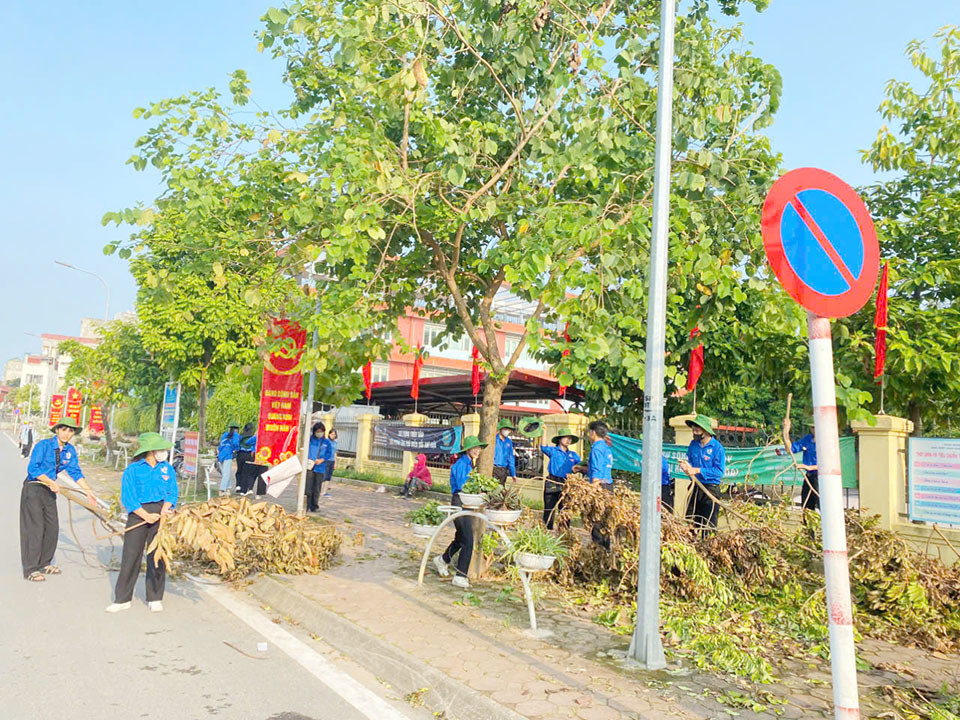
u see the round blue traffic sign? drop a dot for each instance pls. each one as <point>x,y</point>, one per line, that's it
<point>820,242</point>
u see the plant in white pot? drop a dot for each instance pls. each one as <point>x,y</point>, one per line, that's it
<point>425,519</point>
<point>535,549</point>
<point>503,505</point>
<point>474,492</point>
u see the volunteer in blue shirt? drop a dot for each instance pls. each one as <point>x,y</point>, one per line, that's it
<point>245,454</point>
<point>600,469</point>
<point>328,451</point>
<point>148,492</point>
<point>504,462</point>
<point>226,452</point>
<point>39,523</point>
<point>463,540</point>
<point>561,463</point>
<point>706,462</point>
<point>810,494</point>
<point>315,460</point>
<point>667,488</point>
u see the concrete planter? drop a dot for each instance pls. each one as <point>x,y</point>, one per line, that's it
<point>472,501</point>
<point>534,563</point>
<point>502,517</point>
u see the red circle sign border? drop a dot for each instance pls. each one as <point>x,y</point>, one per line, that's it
<point>782,192</point>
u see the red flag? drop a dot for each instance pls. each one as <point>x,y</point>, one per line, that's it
<point>475,372</point>
<point>415,386</point>
<point>880,323</point>
<point>566,351</point>
<point>367,380</point>
<point>696,362</point>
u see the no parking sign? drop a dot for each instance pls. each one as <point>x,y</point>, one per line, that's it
<point>820,241</point>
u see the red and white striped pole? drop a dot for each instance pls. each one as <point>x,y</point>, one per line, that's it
<point>843,663</point>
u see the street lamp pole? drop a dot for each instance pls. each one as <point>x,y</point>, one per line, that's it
<point>106,308</point>
<point>646,646</point>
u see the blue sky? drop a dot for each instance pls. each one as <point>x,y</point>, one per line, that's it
<point>73,72</point>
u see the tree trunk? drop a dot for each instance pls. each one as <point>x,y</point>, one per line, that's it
<point>489,415</point>
<point>917,419</point>
<point>202,408</point>
<point>107,411</point>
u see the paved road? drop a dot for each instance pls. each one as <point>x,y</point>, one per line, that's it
<point>61,656</point>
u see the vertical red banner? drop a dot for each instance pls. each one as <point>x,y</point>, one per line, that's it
<point>280,398</point>
<point>96,420</point>
<point>74,405</point>
<point>57,403</point>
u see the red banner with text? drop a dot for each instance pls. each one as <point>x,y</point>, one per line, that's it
<point>74,405</point>
<point>57,403</point>
<point>96,420</point>
<point>280,398</point>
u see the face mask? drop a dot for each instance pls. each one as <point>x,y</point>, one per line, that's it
<point>162,455</point>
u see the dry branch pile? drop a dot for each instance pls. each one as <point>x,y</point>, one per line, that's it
<point>239,538</point>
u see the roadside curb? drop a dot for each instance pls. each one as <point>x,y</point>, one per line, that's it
<point>397,667</point>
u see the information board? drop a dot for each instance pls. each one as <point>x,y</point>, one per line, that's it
<point>933,466</point>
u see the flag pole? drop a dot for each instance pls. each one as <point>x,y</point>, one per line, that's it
<point>883,385</point>
<point>694,400</point>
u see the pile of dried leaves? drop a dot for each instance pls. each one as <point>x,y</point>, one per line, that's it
<point>239,538</point>
<point>746,596</point>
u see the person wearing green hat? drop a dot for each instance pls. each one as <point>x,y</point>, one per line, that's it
<point>705,464</point>
<point>463,539</point>
<point>504,460</point>
<point>39,522</point>
<point>562,462</point>
<point>148,492</point>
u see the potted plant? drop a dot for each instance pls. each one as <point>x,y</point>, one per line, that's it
<point>536,548</point>
<point>473,494</point>
<point>425,519</point>
<point>503,505</point>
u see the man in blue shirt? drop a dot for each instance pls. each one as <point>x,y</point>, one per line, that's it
<point>148,492</point>
<point>562,462</point>
<point>39,522</point>
<point>463,540</point>
<point>226,452</point>
<point>600,470</point>
<point>504,461</point>
<point>705,464</point>
<point>810,494</point>
<point>246,469</point>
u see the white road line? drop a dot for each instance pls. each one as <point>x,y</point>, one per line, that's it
<point>363,699</point>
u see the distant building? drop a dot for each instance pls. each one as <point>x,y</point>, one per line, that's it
<point>48,369</point>
<point>12,370</point>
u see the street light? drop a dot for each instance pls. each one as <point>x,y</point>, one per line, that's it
<point>106,309</point>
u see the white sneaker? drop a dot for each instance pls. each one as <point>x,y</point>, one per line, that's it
<point>461,582</point>
<point>441,566</point>
<point>155,606</point>
<point>117,607</point>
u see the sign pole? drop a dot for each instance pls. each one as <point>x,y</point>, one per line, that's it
<point>646,646</point>
<point>305,437</point>
<point>843,662</point>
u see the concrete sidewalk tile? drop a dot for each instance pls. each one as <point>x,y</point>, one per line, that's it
<point>599,712</point>
<point>535,708</point>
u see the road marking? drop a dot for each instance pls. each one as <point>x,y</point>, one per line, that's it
<point>363,699</point>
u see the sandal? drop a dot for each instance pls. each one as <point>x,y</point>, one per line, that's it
<point>36,576</point>
<point>51,570</point>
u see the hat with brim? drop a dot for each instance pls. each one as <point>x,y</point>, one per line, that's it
<point>470,442</point>
<point>565,432</point>
<point>703,422</point>
<point>67,422</point>
<point>149,441</point>
<point>506,424</point>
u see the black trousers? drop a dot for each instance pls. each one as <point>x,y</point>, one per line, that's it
<point>462,541</point>
<point>810,493</point>
<point>244,457</point>
<point>326,475</point>
<point>598,532</point>
<point>250,475</point>
<point>314,483</point>
<point>501,473</point>
<point>552,490</point>
<point>667,494</point>
<point>134,543</point>
<point>701,510</point>
<point>39,527</point>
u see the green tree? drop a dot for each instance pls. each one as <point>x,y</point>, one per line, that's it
<point>236,399</point>
<point>23,396</point>
<point>918,221</point>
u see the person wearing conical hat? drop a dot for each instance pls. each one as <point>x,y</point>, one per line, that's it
<point>504,460</point>
<point>706,462</point>
<point>561,463</point>
<point>148,492</point>
<point>39,522</point>
<point>463,540</point>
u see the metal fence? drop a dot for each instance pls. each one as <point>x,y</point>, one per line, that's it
<point>347,438</point>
